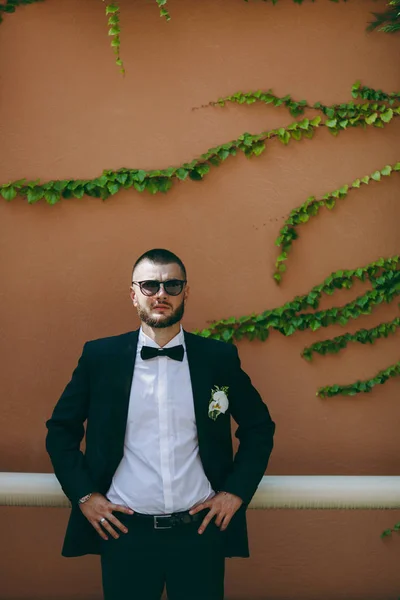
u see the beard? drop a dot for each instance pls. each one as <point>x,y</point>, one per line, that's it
<point>161,323</point>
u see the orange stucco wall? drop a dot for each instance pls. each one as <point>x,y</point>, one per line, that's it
<point>65,112</point>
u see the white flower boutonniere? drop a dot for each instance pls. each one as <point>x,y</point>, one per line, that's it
<point>219,402</point>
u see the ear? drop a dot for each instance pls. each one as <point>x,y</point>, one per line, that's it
<point>132,294</point>
<point>186,292</point>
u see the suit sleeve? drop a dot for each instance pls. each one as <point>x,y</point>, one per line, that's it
<point>66,431</point>
<point>255,433</point>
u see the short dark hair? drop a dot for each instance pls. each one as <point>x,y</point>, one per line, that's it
<point>160,256</point>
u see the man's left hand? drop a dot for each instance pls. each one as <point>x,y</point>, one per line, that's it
<point>222,506</point>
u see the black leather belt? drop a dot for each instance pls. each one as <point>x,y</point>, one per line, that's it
<point>169,521</point>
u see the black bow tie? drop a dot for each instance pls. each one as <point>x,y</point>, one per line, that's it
<point>176,352</point>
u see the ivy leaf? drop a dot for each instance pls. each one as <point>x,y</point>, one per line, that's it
<point>111,8</point>
<point>195,175</point>
<point>223,153</point>
<point>227,334</point>
<point>113,188</point>
<point>101,181</point>
<point>330,203</point>
<point>121,177</point>
<point>34,194</point>
<point>386,170</point>
<point>290,330</point>
<point>331,123</point>
<point>165,183</point>
<point>387,116</point>
<point>386,533</point>
<point>182,174</point>
<point>151,186</point>
<point>203,168</point>
<point>8,193</point>
<point>315,324</point>
<point>139,185</point>
<point>296,134</point>
<point>78,191</point>
<point>376,176</point>
<point>52,196</point>
<point>259,148</point>
<point>141,175</point>
<point>304,124</point>
<point>371,118</point>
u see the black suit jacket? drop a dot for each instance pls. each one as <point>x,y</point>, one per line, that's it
<point>98,393</point>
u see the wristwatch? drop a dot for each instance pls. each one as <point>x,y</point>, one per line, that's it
<point>85,498</point>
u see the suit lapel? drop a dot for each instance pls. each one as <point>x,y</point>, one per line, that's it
<point>201,375</point>
<point>123,364</point>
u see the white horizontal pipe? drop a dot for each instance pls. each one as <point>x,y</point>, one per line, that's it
<point>328,492</point>
<point>276,491</point>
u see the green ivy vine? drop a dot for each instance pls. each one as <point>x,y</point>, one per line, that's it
<point>10,6</point>
<point>310,208</point>
<point>162,5</point>
<point>383,275</point>
<point>360,386</point>
<point>366,93</point>
<point>153,181</point>
<point>388,532</point>
<point>387,21</point>
<point>112,11</point>
<point>362,336</point>
<point>298,107</point>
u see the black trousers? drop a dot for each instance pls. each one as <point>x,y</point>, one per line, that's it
<point>141,562</point>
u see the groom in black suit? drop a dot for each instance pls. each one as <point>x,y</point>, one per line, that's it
<point>157,492</point>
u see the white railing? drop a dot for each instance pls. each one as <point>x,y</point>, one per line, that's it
<point>276,491</point>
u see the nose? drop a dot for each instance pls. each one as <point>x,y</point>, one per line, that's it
<point>162,294</point>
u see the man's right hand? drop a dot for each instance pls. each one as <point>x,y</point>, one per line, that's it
<point>99,512</point>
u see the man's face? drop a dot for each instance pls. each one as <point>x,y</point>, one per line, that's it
<point>160,310</point>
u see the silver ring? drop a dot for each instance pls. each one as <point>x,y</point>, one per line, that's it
<point>102,520</point>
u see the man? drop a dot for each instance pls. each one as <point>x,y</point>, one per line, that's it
<point>157,492</point>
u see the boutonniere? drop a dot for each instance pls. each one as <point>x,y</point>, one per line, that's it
<point>219,402</point>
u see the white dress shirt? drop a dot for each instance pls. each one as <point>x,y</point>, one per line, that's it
<point>161,471</point>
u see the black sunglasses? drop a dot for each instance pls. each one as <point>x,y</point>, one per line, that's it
<point>172,287</point>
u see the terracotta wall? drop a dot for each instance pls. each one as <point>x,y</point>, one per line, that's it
<point>65,270</point>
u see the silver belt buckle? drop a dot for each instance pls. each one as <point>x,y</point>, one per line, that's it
<point>157,526</point>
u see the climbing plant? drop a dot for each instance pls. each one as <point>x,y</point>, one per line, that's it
<point>384,277</point>
<point>310,208</point>
<point>388,532</point>
<point>360,386</point>
<point>112,11</point>
<point>377,109</point>
<point>387,21</point>
<point>161,180</point>
<point>11,5</point>
<point>297,107</point>
<point>362,336</point>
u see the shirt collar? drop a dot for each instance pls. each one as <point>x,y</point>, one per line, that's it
<point>145,340</point>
